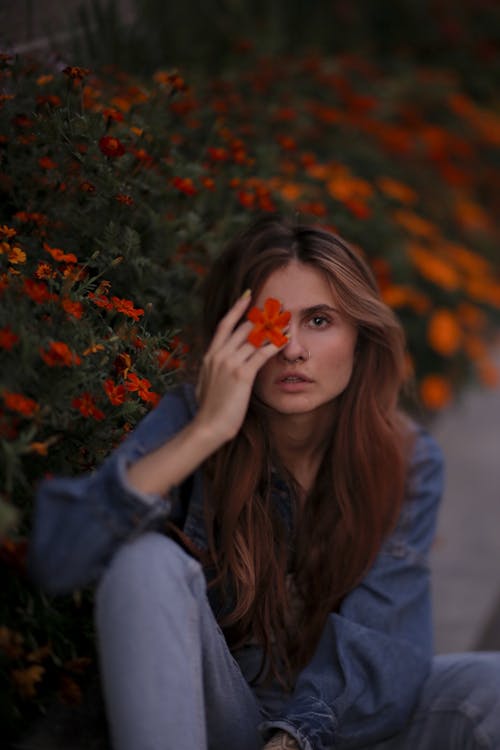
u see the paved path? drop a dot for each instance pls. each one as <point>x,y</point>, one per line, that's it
<point>466,556</point>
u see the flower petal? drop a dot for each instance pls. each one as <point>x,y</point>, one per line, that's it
<point>272,308</point>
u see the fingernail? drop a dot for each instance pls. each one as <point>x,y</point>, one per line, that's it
<point>247,293</point>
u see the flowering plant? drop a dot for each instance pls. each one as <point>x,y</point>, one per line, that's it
<point>116,193</point>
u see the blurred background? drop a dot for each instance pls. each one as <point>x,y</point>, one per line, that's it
<point>135,137</point>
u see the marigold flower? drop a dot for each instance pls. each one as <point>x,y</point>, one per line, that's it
<point>75,309</point>
<point>268,323</point>
<point>111,146</point>
<point>16,255</point>
<point>19,403</point>
<point>436,392</point>
<point>59,254</point>
<point>93,349</point>
<point>45,162</point>
<point>444,333</point>
<point>110,113</point>
<point>26,680</point>
<point>76,73</point>
<point>87,187</point>
<point>38,291</point>
<point>185,185</point>
<point>101,301</point>
<point>7,232</point>
<point>115,393</point>
<point>59,354</point>
<point>122,364</point>
<point>8,338</point>
<point>44,271</point>
<point>87,406</point>
<point>141,386</point>
<point>125,200</point>
<point>126,307</point>
<point>217,153</point>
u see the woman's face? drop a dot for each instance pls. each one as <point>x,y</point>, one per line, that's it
<point>316,364</point>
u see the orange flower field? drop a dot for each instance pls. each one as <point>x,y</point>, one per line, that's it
<point>115,194</point>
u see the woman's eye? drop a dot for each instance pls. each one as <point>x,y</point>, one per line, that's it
<point>319,321</point>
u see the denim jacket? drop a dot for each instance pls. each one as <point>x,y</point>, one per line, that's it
<point>374,653</point>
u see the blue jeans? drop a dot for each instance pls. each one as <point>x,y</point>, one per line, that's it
<point>170,682</point>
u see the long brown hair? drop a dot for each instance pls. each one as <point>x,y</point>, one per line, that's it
<point>359,487</point>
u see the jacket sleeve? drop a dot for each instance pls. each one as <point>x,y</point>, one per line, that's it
<point>80,521</point>
<point>373,656</point>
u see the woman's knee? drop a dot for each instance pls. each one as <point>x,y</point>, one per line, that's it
<point>468,685</point>
<point>151,563</point>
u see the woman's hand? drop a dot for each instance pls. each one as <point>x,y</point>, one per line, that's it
<point>229,368</point>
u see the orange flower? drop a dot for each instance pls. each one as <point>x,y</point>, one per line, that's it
<point>125,200</point>
<point>115,393</point>
<point>101,301</point>
<point>19,403</point>
<point>7,232</point>
<point>111,146</point>
<point>435,392</point>
<point>76,73</point>
<point>44,271</point>
<point>415,224</point>
<point>86,405</point>
<point>126,307</point>
<point>444,333</point>
<point>397,190</point>
<point>93,349</point>
<point>45,162</point>
<point>26,680</point>
<point>268,323</point>
<point>405,296</point>
<point>122,364</point>
<point>16,255</point>
<point>75,309</point>
<point>38,291</point>
<point>59,254</point>
<point>59,355</point>
<point>7,338</point>
<point>435,269</point>
<point>185,185</point>
<point>138,385</point>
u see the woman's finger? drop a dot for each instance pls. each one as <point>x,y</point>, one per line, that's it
<point>229,321</point>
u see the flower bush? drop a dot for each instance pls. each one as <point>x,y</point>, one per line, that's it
<point>116,193</point>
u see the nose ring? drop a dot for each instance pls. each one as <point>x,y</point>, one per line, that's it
<point>304,359</point>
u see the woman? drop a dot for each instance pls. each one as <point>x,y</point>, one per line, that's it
<point>290,481</point>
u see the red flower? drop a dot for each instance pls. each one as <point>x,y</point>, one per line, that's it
<point>59,355</point>
<point>126,307</point>
<point>38,291</point>
<point>115,393</point>
<point>111,146</point>
<point>45,162</point>
<point>72,308</point>
<point>87,187</point>
<point>19,403</point>
<point>112,114</point>
<point>217,153</point>
<point>76,73</point>
<point>268,323</point>
<point>59,254</point>
<point>101,301</point>
<point>7,338</point>
<point>185,185</point>
<point>141,386</point>
<point>124,199</point>
<point>86,405</point>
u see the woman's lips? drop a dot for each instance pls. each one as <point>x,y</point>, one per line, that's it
<point>293,382</point>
